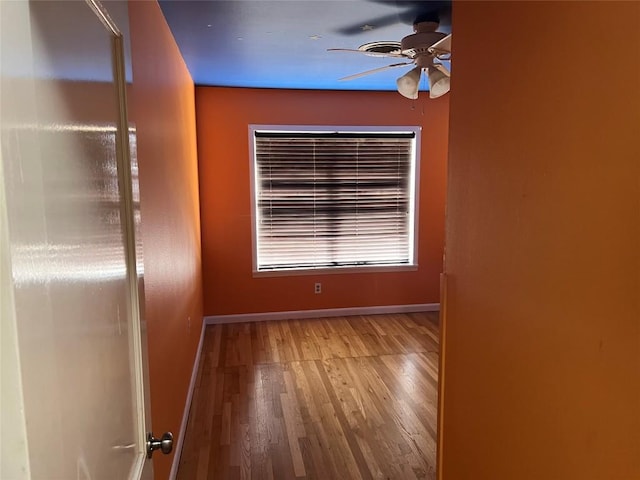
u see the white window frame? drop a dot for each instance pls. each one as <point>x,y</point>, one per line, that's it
<point>414,192</point>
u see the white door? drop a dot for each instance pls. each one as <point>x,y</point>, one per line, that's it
<point>74,381</point>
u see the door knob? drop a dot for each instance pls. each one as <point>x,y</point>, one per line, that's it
<point>165,443</point>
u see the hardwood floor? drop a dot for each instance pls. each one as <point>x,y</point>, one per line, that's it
<point>338,398</point>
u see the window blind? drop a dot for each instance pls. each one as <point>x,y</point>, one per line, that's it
<point>334,199</point>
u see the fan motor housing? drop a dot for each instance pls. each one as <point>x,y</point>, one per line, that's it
<point>416,46</point>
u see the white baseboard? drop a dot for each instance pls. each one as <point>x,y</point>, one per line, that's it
<point>328,312</point>
<point>187,407</point>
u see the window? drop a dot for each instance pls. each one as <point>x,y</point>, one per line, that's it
<point>332,197</point>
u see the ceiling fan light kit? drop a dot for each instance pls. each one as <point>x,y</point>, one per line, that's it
<point>409,83</point>
<point>439,83</point>
<point>425,49</point>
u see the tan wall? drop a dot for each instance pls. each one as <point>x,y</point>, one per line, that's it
<point>163,110</point>
<point>542,376</point>
<point>224,115</point>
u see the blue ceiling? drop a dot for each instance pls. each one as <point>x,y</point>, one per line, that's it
<point>283,44</point>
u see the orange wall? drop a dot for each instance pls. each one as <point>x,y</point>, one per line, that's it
<point>224,115</point>
<point>163,110</point>
<point>542,376</point>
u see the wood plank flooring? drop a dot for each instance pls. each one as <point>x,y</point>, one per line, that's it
<point>336,398</point>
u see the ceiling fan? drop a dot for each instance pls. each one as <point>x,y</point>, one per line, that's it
<point>425,48</point>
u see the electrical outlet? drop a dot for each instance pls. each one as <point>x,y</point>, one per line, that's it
<point>318,288</point>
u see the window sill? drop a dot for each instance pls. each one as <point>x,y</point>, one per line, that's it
<point>335,271</point>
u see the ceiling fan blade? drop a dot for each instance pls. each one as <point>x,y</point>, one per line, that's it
<point>372,54</point>
<point>375,70</point>
<point>441,47</point>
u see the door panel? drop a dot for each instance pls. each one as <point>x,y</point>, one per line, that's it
<point>72,252</point>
